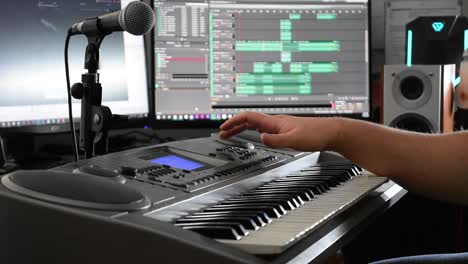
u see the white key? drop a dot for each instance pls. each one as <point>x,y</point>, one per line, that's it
<point>283,232</point>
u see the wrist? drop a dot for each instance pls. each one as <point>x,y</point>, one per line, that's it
<point>338,129</point>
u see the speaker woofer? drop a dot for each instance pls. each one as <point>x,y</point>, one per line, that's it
<point>412,87</point>
<point>413,122</point>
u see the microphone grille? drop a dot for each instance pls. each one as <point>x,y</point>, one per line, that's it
<point>137,18</point>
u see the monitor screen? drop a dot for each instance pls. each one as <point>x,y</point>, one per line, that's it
<point>214,59</point>
<point>32,72</point>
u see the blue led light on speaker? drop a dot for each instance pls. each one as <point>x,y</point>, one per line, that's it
<point>456,81</point>
<point>409,51</point>
<point>438,26</point>
<point>466,39</point>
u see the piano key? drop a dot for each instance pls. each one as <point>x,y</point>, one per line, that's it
<point>292,199</point>
<point>320,175</point>
<point>353,171</point>
<point>274,238</point>
<point>328,184</point>
<point>263,216</point>
<point>315,188</point>
<point>255,218</point>
<point>259,205</point>
<point>246,222</point>
<point>269,210</point>
<point>333,165</point>
<point>274,189</point>
<point>286,204</point>
<point>236,226</point>
<point>310,182</point>
<point>328,179</point>
<point>216,232</point>
<point>304,196</point>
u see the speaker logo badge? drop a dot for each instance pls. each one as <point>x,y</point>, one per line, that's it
<point>438,26</point>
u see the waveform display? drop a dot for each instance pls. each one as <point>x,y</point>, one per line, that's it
<point>267,67</point>
<point>282,89</point>
<point>294,46</point>
<point>324,67</point>
<point>327,16</point>
<point>270,78</point>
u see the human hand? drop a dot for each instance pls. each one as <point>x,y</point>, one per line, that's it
<point>282,131</point>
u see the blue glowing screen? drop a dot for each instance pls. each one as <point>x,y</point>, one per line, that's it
<point>177,162</point>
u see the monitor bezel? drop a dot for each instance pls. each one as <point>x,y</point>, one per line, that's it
<point>203,124</point>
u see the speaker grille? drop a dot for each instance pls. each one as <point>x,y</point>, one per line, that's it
<point>75,190</point>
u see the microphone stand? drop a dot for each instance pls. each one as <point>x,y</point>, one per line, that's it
<point>95,118</point>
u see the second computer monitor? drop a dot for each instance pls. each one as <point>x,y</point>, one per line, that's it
<point>214,59</point>
<point>33,93</point>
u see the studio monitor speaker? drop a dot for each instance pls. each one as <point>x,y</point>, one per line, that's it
<point>419,97</point>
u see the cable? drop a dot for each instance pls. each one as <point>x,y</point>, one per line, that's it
<point>70,110</point>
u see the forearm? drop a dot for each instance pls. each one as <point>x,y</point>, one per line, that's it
<point>434,165</point>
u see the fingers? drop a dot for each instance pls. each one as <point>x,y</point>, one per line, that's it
<point>229,133</point>
<point>252,120</point>
<point>277,140</point>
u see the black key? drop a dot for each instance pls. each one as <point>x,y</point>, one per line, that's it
<point>255,218</point>
<point>269,210</point>
<point>330,171</point>
<point>320,184</point>
<point>351,171</point>
<point>317,189</point>
<point>286,204</point>
<point>331,167</point>
<point>330,183</point>
<point>334,164</point>
<point>296,198</point>
<point>336,180</point>
<point>308,183</point>
<point>216,232</point>
<point>261,215</point>
<point>303,195</point>
<point>342,176</point>
<point>273,197</point>
<point>323,186</point>
<point>277,206</point>
<point>236,226</point>
<point>247,222</point>
<point>274,189</point>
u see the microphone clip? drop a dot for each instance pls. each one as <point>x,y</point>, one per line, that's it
<point>95,118</point>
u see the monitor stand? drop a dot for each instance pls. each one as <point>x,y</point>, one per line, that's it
<point>5,166</point>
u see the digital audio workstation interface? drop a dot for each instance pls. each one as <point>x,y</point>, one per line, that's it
<point>32,70</point>
<point>214,59</point>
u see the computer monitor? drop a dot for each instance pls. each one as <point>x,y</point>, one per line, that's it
<point>214,59</point>
<point>33,95</point>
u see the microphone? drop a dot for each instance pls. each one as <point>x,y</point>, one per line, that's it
<point>137,18</point>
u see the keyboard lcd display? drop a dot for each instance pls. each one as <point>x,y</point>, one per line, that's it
<point>178,162</point>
